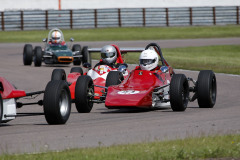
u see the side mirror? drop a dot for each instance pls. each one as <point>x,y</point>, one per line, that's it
<point>122,68</point>
<point>87,65</point>
<point>164,69</point>
<point>71,39</point>
<point>44,40</point>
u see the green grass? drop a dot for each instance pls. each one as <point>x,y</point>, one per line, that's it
<point>221,59</point>
<point>189,148</point>
<point>131,33</point>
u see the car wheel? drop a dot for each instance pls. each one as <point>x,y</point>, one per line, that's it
<point>1,108</point>
<point>84,93</point>
<point>86,56</point>
<point>58,74</point>
<point>114,78</point>
<point>206,89</point>
<point>37,58</point>
<point>76,69</point>
<point>77,47</point>
<point>179,92</point>
<point>27,54</point>
<point>57,102</point>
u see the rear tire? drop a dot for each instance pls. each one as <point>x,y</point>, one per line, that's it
<point>206,89</point>
<point>27,54</point>
<point>179,92</point>
<point>114,78</point>
<point>1,108</point>
<point>37,58</point>
<point>84,93</point>
<point>77,47</point>
<point>86,56</point>
<point>58,74</point>
<point>76,69</point>
<point>57,102</point>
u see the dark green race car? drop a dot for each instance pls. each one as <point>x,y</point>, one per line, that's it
<point>55,53</point>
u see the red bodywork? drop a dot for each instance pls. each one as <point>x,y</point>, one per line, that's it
<point>9,91</point>
<point>72,77</point>
<point>137,89</point>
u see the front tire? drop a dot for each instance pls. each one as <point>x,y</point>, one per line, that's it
<point>57,102</point>
<point>37,56</point>
<point>114,78</point>
<point>179,92</point>
<point>86,56</point>
<point>27,54</point>
<point>58,74</point>
<point>84,93</point>
<point>206,89</point>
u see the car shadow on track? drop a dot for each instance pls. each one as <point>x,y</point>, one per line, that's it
<point>133,110</point>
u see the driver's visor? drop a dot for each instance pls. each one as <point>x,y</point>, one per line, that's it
<point>55,38</point>
<point>147,61</point>
<point>107,55</point>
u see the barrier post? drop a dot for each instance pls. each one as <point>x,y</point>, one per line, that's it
<point>214,15</point>
<point>237,15</point>
<point>3,27</point>
<point>190,15</point>
<point>22,24</point>
<point>46,19</point>
<point>95,17</point>
<point>119,18</point>
<point>144,17</point>
<point>167,23</point>
<point>71,20</point>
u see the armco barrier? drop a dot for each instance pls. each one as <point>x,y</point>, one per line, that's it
<point>127,17</point>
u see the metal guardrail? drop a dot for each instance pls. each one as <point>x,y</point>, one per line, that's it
<point>126,17</point>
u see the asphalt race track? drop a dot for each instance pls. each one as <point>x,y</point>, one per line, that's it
<point>109,127</point>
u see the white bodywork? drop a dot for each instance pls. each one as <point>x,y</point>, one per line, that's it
<point>9,108</point>
<point>99,71</point>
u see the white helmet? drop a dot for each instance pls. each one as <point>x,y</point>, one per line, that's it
<point>56,37</point>
<point>148,59</point>
<point>109,54</point>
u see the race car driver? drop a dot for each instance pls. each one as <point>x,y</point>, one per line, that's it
<point>57,38</point>
<point>108,56</point>
<point>148,60</point>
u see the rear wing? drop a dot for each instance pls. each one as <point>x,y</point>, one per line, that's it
<point>122,50</point>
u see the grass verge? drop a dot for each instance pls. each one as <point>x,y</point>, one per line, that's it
<point>131,33</point>
<point>221,59</point>
<point>189,148</point>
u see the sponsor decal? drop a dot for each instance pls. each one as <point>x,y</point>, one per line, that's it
<point>128,92</point>
<point>140,73</point>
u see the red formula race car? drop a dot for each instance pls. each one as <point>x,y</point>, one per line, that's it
<point>149,88</point>
<point>56,102</point>
<point>79,85</point>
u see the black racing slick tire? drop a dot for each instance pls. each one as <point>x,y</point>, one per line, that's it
<point>58,74</point>
<point>1,108</point>
<point>206,89</point>
<point>27,54</point>
<point>57,102</point>
<point>77,47</point>
<point>179,92</point>
<point>86,56</point>
<point>84,93</point>
<point>76,69</point>
<point>37,57</point>
<point>114,78</point>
